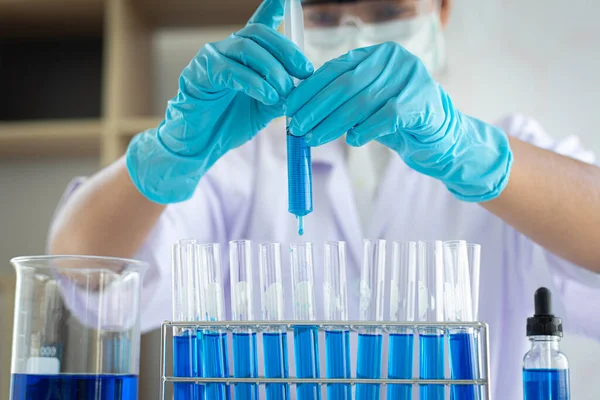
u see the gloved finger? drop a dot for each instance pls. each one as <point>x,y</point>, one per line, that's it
<point>382,122</point>
<point>232,75</point>
<point>253,56</point>
<point>352,113</point>
<point>346,88</point>
<point>269,13</point>
<point>309,88</point>
<point>280,47</point>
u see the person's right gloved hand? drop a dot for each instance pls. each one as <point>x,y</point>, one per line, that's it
<point>229,92</point>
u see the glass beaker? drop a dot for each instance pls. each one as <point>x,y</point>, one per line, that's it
<point>76,328</point>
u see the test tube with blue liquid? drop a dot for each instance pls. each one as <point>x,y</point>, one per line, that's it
<point>186,308</point>
<point>273,309</point>
<point>337,339</point>
<point>464,354</point>
<point>430,301</point>
<point>245,355</point>
<point>298,151</point>
<point>370,339</point>
<point>214,341</point>
<point>306,338</point>
<point>402,309</point>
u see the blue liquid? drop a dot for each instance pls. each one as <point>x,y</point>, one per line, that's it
<point>546,384</point>
<point>300,200</point>
<point>400,365</point>
<point>74,387</point>
<point>245,365</point>
<point>462,365</point>
<point>369,365</point>
<point>306,355</point>
<point>431,353</point>
<point>276,364</point>
<point>215,364</point>
<point>186,364</point>
<point>337,349</point>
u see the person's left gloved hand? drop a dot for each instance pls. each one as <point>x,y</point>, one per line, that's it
<point>384,93</point>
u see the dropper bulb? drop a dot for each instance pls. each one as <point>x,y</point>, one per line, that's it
<point>543,301</point>
<point>300,226</point>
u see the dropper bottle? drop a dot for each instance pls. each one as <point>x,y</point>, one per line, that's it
<point>545,368</point>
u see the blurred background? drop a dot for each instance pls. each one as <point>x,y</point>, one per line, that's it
<point>78,78</point>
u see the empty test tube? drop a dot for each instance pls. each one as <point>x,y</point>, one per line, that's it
<point>430,299</point>
<point>464,362</point>
<point>214,341</point>
<point>337,339</point>
<point>245,356</point>
<point>186,308</point>
<point>272,305</point>
<point>306,338</point>
<point>402,309</point>
<point>370,340</point>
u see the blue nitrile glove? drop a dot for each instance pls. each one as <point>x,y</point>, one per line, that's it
<point>384,93</point>
<point>228,93</point>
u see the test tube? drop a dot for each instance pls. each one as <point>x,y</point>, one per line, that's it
<point>464,363</point>
<point>370,339</point>
<point>430,301</point>
<point>306,338</point>
<point>214,341</point>
<point>337,339</point>
<point>272,304</point>
<point>402,309</point>
<point>245,356</point>
<point>186,308</point>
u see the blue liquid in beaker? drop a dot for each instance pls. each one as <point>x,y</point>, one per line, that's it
<point>215,364</point>
<point>431,349</point>
<point>186,364</point>
<point>306,355</point>
<point>276,364</point>
<point>68,386</point>
<point>337,349</point>
<point>245,365</point>
<point>546,384</point>
<point>400,364</point>
<point>462,365</point>
<point>369,365</point>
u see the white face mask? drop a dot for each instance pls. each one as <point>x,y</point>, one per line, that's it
<point>421,35</point>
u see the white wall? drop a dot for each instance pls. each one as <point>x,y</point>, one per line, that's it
<point>540,58</point>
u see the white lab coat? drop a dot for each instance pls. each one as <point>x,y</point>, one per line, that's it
<point>245,196</point>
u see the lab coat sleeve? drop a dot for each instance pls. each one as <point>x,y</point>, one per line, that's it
<point>216,213</point>
<point>577,290</point>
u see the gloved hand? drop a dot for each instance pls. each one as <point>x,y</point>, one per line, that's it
<point>228,93</point>
<point>384,93</point>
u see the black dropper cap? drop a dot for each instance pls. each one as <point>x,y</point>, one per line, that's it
<point>544,323</point>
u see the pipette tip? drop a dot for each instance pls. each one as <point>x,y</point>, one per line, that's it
<point>300,226</point>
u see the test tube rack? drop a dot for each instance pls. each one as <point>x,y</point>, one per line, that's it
<point>230,326</point>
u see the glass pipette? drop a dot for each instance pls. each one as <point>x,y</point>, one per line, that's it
<point>299,154</point>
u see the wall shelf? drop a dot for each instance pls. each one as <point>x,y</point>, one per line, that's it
<point>61,137</point>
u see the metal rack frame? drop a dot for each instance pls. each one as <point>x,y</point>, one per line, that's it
<point>354,326</point>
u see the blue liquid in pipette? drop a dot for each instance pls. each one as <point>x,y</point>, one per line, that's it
<point>369,365</point>
<point>276,364</point>
<point>245,365</point>
<point>215,364</point>
<point>546,384</point>
<point>337,349</point>
<point>431,355</point>
<point>462,365</point>
<point>74,387</point>
<point>400,365</point>
<point>300,226</point>
<point>186,364</point>
<point>306,355</point>
<point>300,201</point>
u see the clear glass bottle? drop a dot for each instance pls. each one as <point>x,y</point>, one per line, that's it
<point>545,367</point>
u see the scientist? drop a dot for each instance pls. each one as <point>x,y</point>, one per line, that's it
<point>408,165</point>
